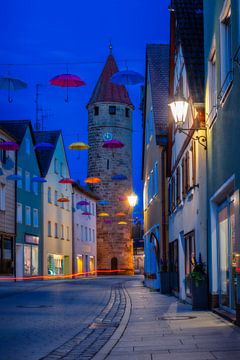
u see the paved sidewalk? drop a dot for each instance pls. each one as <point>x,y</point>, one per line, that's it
<point>162,328</point>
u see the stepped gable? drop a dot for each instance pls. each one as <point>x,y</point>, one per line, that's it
<point>105,91</point>
<point>45,156</point>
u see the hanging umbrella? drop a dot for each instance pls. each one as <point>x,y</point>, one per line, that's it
<point>92,180</point>
<point>9,164</point>
<point>86,213</point>
<point>83,203</point>
<point>103,202</point>
<point>112,144</point>
<point>103,214</point>
<point>11,84</point>
<point>9,145</point>
<point>14,177</point>
<point>122,223</point>
<point>127,77</point>
<point>78,146</point>
<point>67,80</point>
<point>119,177</point>
<point>120,214</point>
<point>63,199</point>
<point>38,179</point>
<point>107,221</point>
<point>66,181</point>
<point>43,146</point>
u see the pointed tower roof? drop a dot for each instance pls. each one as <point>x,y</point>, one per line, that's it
<point>105,91</point>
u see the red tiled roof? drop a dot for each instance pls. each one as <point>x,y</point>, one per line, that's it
<point>105,91</point>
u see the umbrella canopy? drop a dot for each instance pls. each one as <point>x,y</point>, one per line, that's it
<point>63,199</point>
<point>103,214</point>
<point>43,146</point>
<point>67,80</point>
<point>11,84</point>
<point>127,77</point>
<point>86,213</point>
<point>82,203</point>
<point>112,144</point>
<point>78,146</point>
<point>38,179</point>
<point>14,177</point>
<point>103,202</point>
<point>92,180</point>
<point>119,177</point>
<point>122,223</point>
<point>66,181</point>
<point>120,214</point>
<point>9,145</point>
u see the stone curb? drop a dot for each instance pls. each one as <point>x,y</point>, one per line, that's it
<point>107,348</point>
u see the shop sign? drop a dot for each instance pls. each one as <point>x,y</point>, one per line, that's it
<point>30,239</point>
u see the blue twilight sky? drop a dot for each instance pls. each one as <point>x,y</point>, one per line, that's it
<point>40,37</point>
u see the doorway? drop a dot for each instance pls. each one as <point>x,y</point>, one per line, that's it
<point>114,263</point>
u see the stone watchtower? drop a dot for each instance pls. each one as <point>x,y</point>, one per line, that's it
<point>110,117</point>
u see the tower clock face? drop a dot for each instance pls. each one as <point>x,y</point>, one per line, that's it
<point>107,136</point>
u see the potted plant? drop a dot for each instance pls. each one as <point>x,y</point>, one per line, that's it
<point>199,284</point>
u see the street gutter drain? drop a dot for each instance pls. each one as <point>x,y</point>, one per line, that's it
<point>174,318</point>
<point>34,306</point>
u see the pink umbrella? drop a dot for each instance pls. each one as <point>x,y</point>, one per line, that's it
<point>9,145</point>
<point>67,80</point>
<point>112,144</point>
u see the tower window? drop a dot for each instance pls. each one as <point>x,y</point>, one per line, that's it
<point>107,164</point>
<point>112,110</point>
<point>127,112</point>
<point>96,110</point>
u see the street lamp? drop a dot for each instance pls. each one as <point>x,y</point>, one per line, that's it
<point>179,107</point>
<point>132,199</point>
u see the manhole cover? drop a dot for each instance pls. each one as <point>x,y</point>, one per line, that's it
<point>102,325</point>
<point>34,306</point>
<point>174,318</point>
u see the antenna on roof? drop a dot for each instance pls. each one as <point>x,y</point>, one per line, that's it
<point>110,46</point>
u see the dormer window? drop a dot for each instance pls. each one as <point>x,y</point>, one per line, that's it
<point>112,110</point>
<point>96,110</point>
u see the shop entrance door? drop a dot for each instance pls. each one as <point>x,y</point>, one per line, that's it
<point>227,255</point>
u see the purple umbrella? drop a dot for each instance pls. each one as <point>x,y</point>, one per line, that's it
<point>9,145</point>
<point>112,144</point>
<point>86,213</point>
<point>82,202</point>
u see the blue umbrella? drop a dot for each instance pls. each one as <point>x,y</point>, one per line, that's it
<point>14,177</point>
<point>43,146</point>
<point>38,179</point>
<point>119,177</point>
<point>103,202</point>
<point>127,77</point>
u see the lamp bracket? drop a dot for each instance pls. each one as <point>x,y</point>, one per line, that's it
<point>201,139</point>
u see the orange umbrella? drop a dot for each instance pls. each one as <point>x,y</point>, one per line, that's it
<point>92,180</point>
<point>63,199</point>
<point>120,214</point>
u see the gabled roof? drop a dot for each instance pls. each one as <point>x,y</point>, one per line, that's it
<point>85,191</point>
<point>45,156</point>
<point>17,128</point>
<point>157,62</point>
<point>189,33</point>
<point>105,91</point>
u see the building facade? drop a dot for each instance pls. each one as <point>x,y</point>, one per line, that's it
<point>84,231</point>
<point>28,200</point>
<point>7,208</point>
<point>222,59</point>
<point>187,154</point>
<point>155,137</point>
<point>110,118</point>
<point>57,206</point>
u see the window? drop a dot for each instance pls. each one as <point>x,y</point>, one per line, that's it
<point>56,230</point>
<point>107,164</point>
<point>178,186</point>
<point>27,181</point>
<point>2,197</point>
<point>225,49</point>
<point>19,182</point>
<point>96,110</point>
<point>35,186</point>
<point>112,110</point>
<point>3,154</point>
<point>68,233</point>
<point>173,193</point>
<point>61,169</point>
<point>62,203</point>
<point>170,197</point>
<point>49,228</point>
<point>56,166</point>
<point>212,85</point>
<point>127,112</point>
<point>194,168</point>
<point>68,204</point>
<point>149,127</point>
<point>187,172</point>
<point>155,178</point>
<point>82,232</point>
<point>90,234</point>
<point>19,213</point>
<point>49,195</point>
<point>62,231</point>
<point>183,179</point>
<point>35,218</point>
<point>93,235</point>
<point>27,215</point>
<point>56,198</point>
<point>86,234</point>
<point>93,210</point>
<point>27,146</point>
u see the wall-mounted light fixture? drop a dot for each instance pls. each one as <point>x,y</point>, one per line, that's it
<point>179,107</point>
